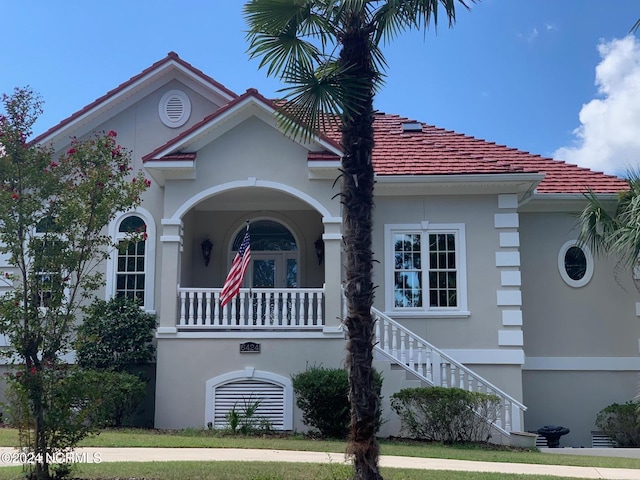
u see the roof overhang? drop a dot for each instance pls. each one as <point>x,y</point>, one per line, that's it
<point>564,202</point>
<point>523,184</point>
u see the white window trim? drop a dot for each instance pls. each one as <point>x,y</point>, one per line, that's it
<point>150,257</point>
<point>563,272</point>
<point>425,228</point>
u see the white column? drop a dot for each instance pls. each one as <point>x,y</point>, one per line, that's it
<point>169,275</point>
<point>332,238</point>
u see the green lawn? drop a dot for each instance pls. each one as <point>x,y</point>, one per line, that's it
<point>277,471</point>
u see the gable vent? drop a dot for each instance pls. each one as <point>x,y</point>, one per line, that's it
<point>174,108</point>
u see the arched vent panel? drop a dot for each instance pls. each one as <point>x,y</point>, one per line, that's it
<point>243,393</point>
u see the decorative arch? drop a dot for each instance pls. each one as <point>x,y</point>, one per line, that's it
<point>250,182</point>
<point>231,389</point>
<point>149,256</point>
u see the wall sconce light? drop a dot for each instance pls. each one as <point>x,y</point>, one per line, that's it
<point>319,244</point>
<point>207,247</point>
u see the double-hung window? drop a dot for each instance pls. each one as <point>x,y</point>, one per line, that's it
<point>48,251</point>
<point>130,269</point>
<point>426,271</point>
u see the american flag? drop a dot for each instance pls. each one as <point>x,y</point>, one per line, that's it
<point>238,268</point>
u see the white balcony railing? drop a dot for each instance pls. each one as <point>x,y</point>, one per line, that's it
<point>251,309</point>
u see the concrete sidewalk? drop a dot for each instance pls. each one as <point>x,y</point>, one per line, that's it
<point>98,455</point>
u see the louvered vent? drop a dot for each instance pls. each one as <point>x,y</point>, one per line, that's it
<point>242,393</point>
<point>174,108</point>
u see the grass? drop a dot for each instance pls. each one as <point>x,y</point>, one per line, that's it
<point>261,471</point>
<point>197,438</point>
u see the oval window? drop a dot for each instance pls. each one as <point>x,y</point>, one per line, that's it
<point>575,264</point>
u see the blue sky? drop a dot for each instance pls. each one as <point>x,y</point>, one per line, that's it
<point>556,77</point>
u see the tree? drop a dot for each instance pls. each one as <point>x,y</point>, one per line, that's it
<point>328,52</point>
<point>614,234</point>
<point>53,213</point>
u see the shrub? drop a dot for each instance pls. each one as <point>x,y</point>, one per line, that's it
<point>322,395</point>
<point>621,423</point>
<point>115,334</point>
<point>115,337</point>
<point>446,414</point>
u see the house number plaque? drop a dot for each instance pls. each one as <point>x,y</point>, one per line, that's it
<point>249,347</point>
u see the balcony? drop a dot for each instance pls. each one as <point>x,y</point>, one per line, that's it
<point>255,309</point>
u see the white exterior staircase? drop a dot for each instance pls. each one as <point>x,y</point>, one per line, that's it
<point>432,366</point>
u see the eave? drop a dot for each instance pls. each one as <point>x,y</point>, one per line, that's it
<point>523,184</point>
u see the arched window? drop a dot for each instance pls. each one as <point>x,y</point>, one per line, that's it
<point>131,265</point>
<point>274,255</point>
<point>130,271</point>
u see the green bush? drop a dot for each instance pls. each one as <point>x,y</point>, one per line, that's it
<point>621,423</point>
<point>116,338</point>
<point>322,395</point>
<point>114,335</point>
<point>446,414</point>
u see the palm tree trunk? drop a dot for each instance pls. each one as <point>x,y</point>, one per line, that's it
<point>357,199</point>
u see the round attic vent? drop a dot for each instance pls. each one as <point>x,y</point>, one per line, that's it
<point>174,108</point>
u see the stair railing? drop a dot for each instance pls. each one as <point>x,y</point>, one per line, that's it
<point>434,367</point>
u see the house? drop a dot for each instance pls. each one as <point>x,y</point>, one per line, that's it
<point>492,293</point>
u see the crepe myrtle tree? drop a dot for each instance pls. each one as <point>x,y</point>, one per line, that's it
<point>53,214</point>
<point>328,54</point>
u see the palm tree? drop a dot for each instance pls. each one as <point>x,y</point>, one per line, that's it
<point>328,52</point>
<point>616,234</point>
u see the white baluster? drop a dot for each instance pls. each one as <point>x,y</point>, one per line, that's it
<point>309,309</point>
<point>207,313</point>
<point>507,415</point>
<point>217,320</point>
<point>386,336</point>
<point>233,315</point>
<point>470,381</point>
<point>452,371</point>
<point>403,347</point>
<point>319,313</point>
<point>412,360</point>
<point>198,299</point>
<point>260,308</point>
<point>191,315</point>
<point>295,319</point>
<point>429,364</point>
<point>394,341</point>
<point>461,375</point>
<point>183,307</point>
<point>421,365</point>
<point>443,374</point>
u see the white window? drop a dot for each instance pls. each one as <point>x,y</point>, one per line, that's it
<point>50,289</point>
<point>130,269</point>
<point>426,270</point>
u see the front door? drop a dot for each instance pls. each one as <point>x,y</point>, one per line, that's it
<point>273,270</point>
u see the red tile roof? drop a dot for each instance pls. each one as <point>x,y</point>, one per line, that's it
<point>431,151</point>
<point>438,151</point>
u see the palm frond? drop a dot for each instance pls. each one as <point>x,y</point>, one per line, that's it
<point>397,16</point>
<point>597,227</point>
<point>319,100</point>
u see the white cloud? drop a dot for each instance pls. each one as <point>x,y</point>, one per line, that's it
<point>608,138</point>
